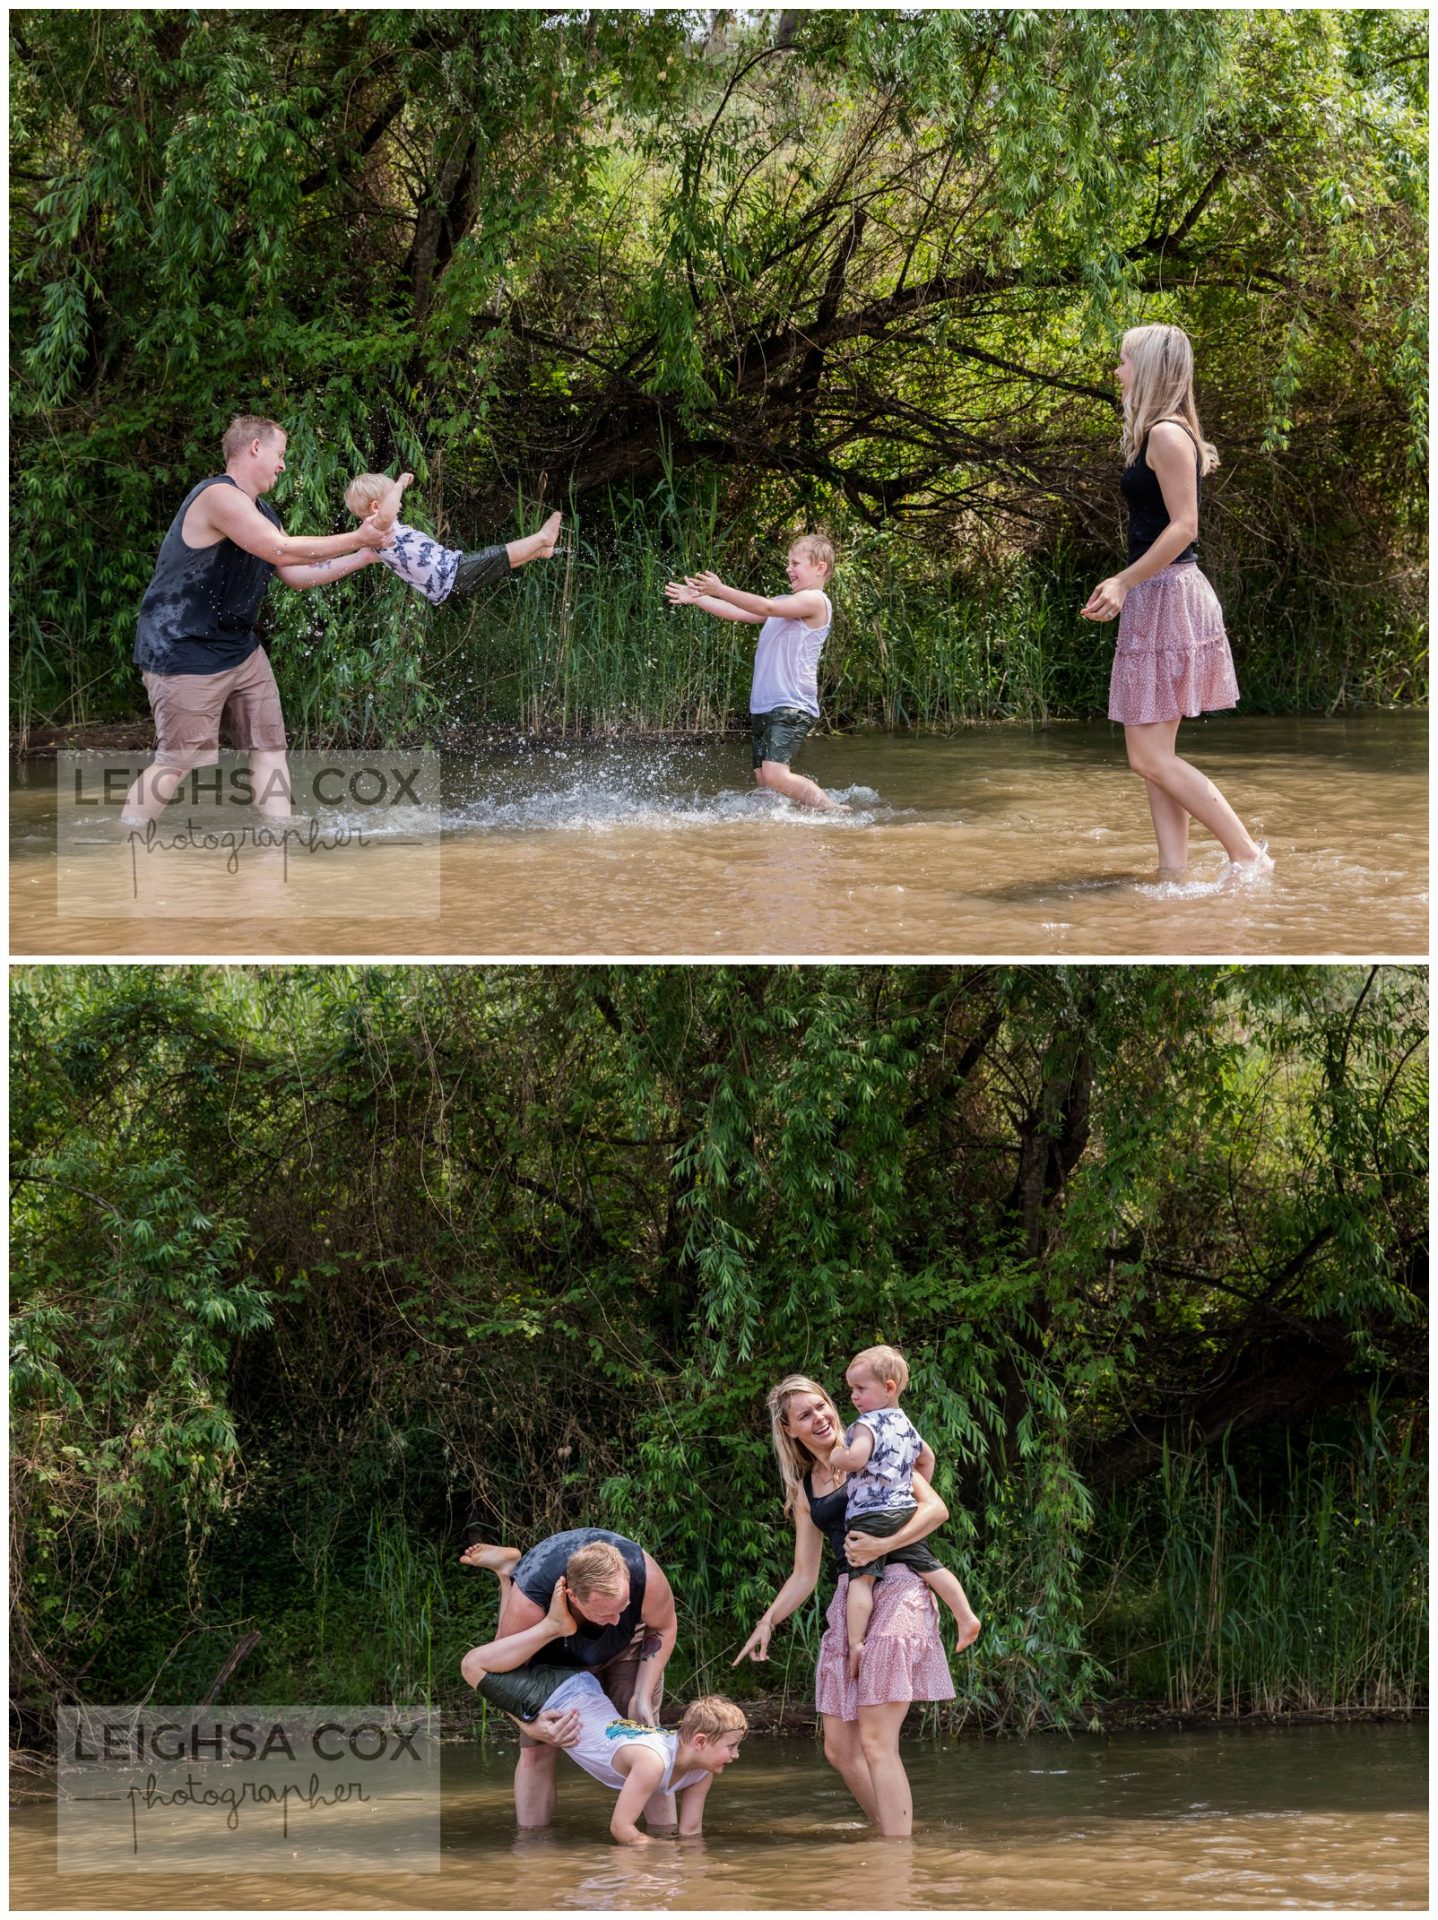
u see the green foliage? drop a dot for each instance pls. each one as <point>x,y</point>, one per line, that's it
<point>680,264</point>
<point>1302,1587</point>
<point>315,1267</point>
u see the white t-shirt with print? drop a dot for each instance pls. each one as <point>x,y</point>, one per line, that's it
<point>422,561</point>
<point>886,1479</point>
<point>602,1732</point>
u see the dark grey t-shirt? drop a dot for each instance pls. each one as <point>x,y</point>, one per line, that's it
<point>536,1577</point>
<point>199,610</point>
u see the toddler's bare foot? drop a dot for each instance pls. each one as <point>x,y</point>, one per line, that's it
<point>495,1559</point>
<point>549,536</point>
<point>970,1626</point>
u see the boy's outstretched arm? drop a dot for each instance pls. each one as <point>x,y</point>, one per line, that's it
<point>853,1456</point>
<point>691,1807</point>
<point>784,606</point>
<point>641,1778</point>
<point>387,512</point>
<point>679,594</point>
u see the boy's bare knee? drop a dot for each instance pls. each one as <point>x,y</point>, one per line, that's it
<point>537,1759</point>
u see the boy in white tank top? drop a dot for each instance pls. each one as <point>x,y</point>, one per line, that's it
<point>784,700</point>
<point>644,1764</point>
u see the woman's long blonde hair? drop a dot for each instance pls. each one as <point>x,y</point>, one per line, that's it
<point>1161,389</point>
<point>794,1460</point>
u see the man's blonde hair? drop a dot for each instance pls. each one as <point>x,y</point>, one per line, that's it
<point>881,1364</point>
<point>597,1568</point>
<point>364,488</point>
<point>712,1714</point>
<point>818,546</point>
<point>244,428</point>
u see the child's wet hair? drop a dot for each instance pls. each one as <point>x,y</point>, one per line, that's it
<point>817,547</point>
<point>881,1364</point>
<point>364,488</point>
<point>713,1714</point>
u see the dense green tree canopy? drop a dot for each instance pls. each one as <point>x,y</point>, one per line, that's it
<point>297,1251</point>
<point>872,264</point>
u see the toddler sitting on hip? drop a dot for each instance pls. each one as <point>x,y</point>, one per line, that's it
<point>881,1451</point>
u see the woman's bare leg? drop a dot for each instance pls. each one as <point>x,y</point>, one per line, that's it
<point>846,1757</point>
<point>1151,754</point>
<point>879,1742</point>
<point>1170,829</point>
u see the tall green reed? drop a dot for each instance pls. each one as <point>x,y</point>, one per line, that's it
<point>1305,1592</point>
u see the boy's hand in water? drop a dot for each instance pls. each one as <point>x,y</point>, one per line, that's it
<point>679,593</point>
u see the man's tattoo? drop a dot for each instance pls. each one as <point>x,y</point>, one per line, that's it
<point>651,1645</point>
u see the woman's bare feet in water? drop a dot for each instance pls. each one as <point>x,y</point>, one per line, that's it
<point>500,1560</point>
<point>1261,863</point>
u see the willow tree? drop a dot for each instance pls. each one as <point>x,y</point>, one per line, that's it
<point>872,262</point>
<point>313,1265</point>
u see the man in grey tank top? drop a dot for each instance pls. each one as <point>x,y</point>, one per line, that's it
<point>195,640</point>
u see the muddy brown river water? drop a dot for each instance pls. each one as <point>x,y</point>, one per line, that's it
<point>1319,1816</point>
<point>1001,840</point>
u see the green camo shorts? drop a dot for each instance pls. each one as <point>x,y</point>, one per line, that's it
<point>779,734</point>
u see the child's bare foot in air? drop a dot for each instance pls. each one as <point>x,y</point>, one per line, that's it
<point>500,1560</point>
<point>970,1626</point>
<point>535,546</point>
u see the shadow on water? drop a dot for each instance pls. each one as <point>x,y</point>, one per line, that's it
<point>1317,1816</point>
<point>998,840</point>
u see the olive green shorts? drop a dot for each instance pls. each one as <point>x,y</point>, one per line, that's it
<point>524,1691</point>
<point>779,734</point>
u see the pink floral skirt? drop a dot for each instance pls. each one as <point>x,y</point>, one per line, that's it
<point>1172,661</point>
<point>903,1655</point>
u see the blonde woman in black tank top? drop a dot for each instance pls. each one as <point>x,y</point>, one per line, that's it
<point>1172,660</point>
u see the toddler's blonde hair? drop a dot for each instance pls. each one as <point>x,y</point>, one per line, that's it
<point>712,1714</point>
<point>882,1363</point>
<point>364,488</point>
